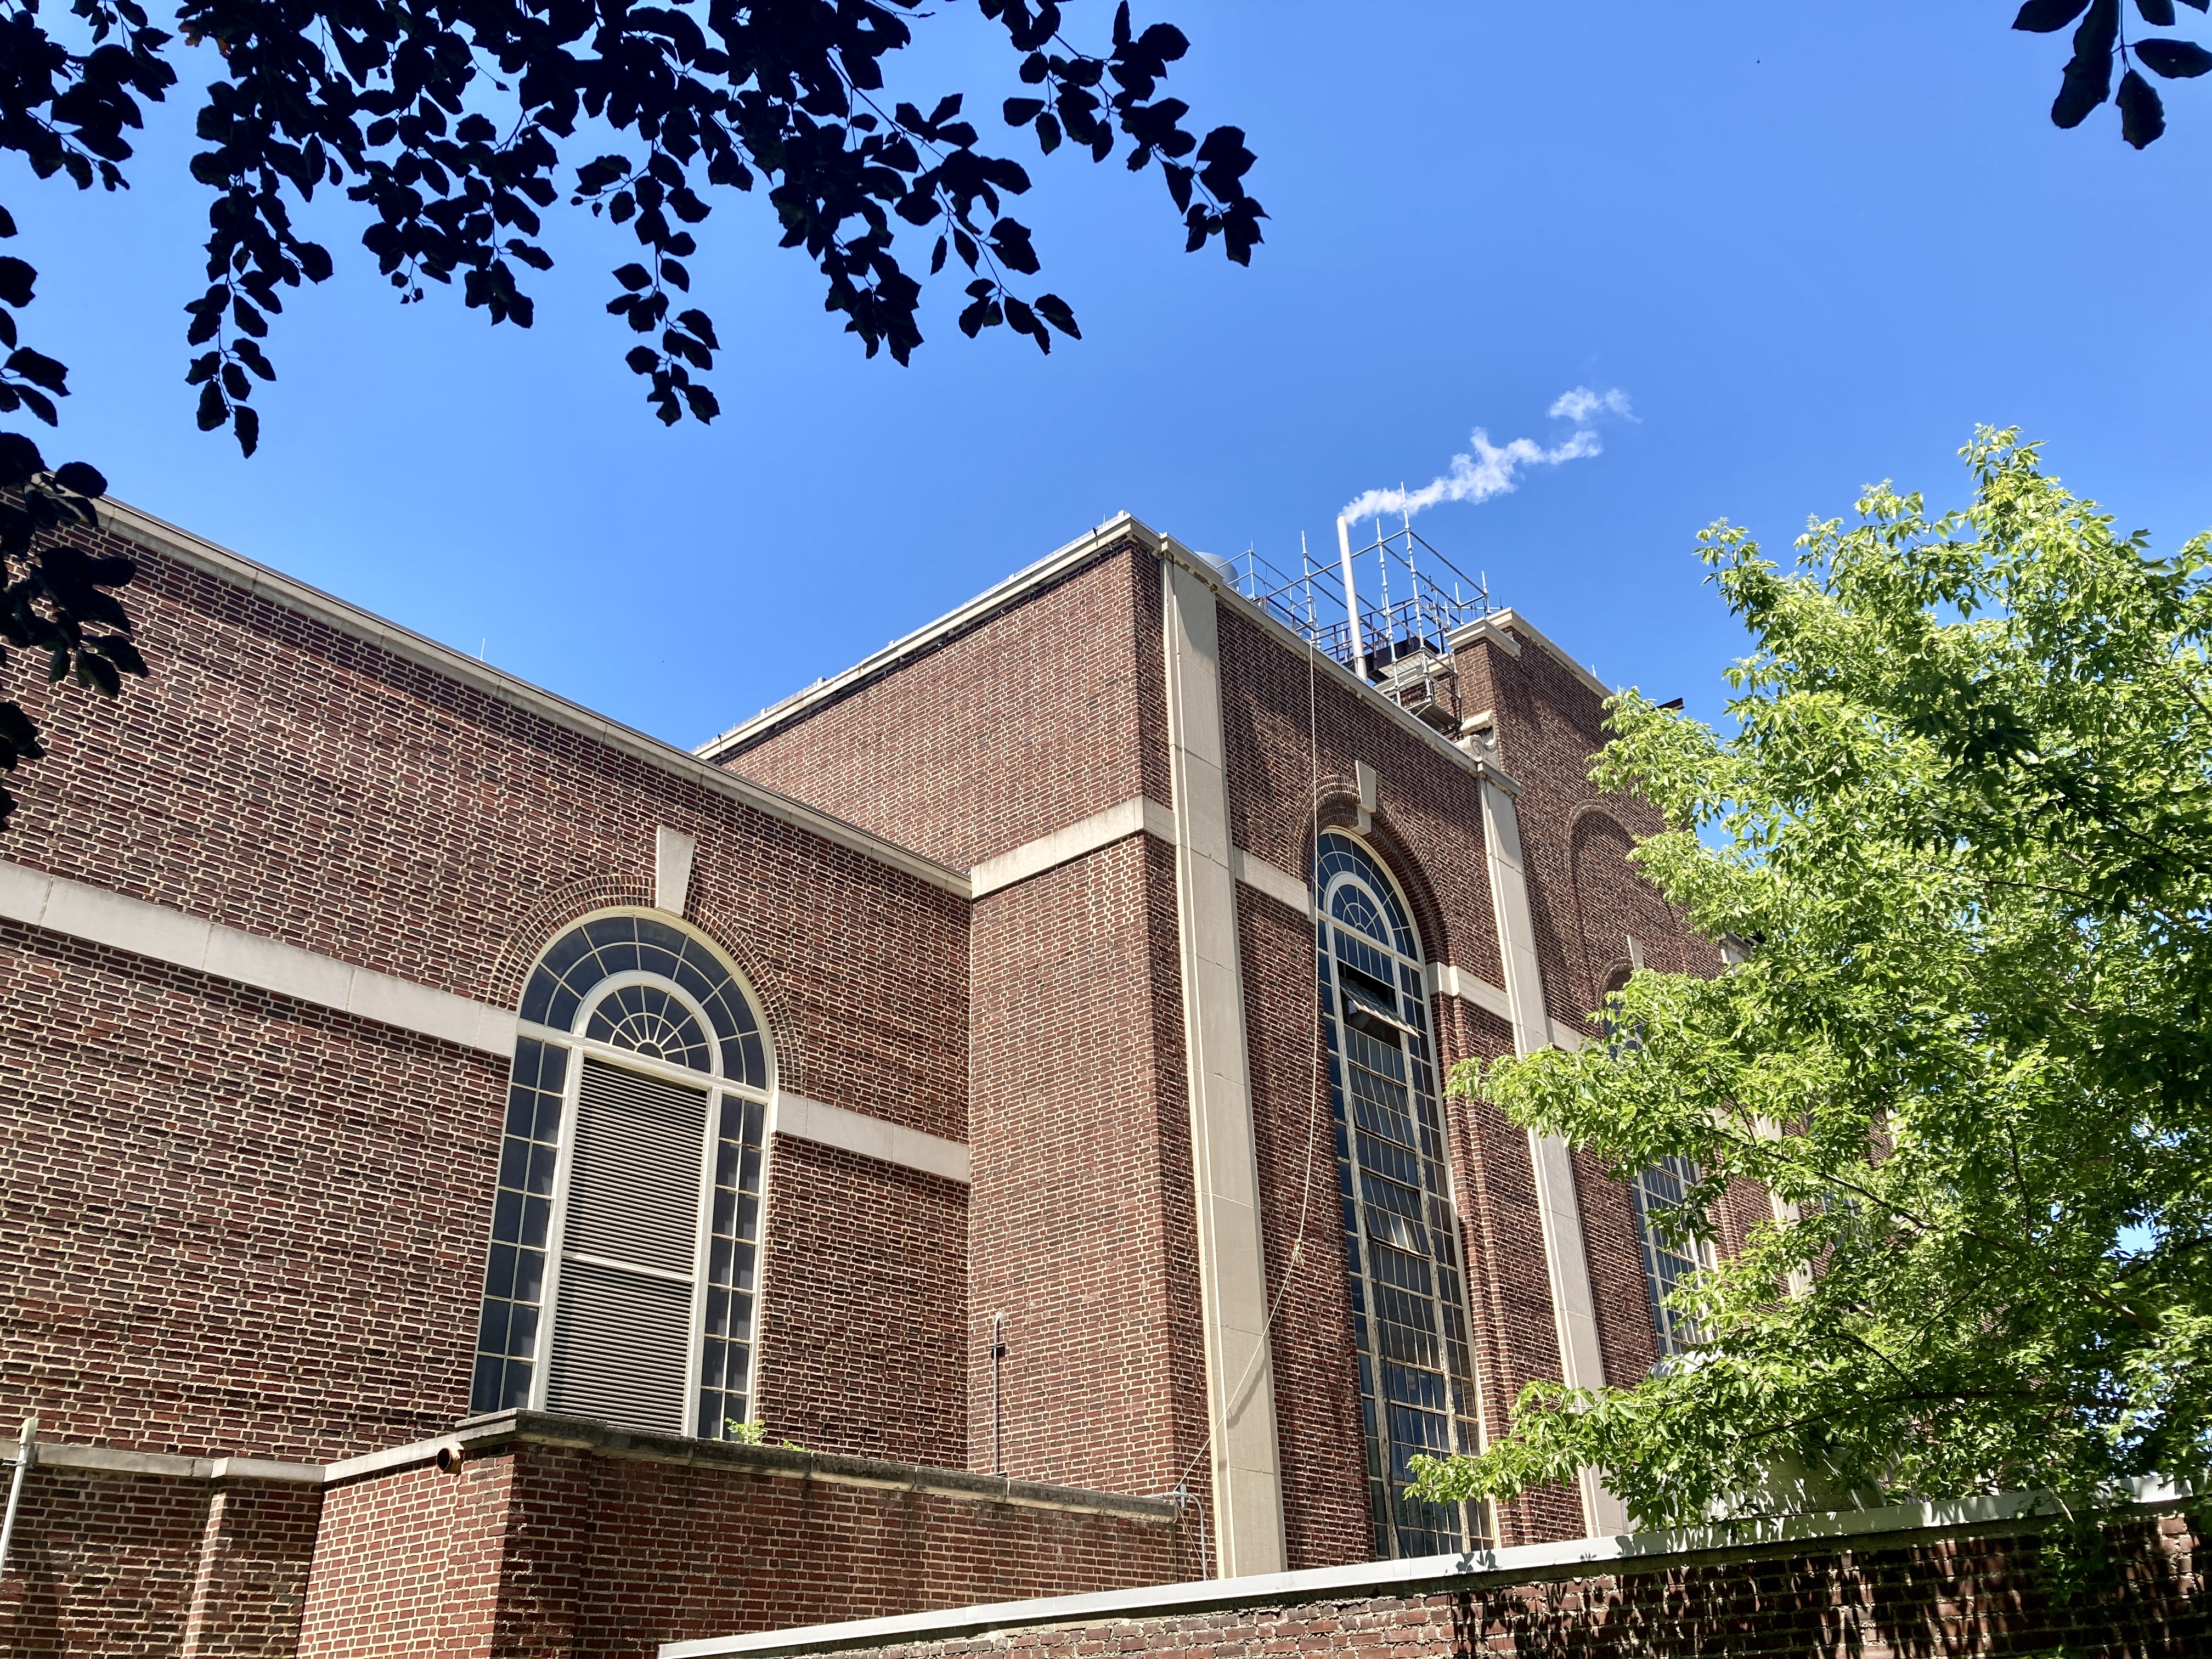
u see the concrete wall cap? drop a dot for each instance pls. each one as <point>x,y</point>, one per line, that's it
<point>479,1435</point>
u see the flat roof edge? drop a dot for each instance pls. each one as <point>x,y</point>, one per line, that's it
<point>1001,595</point>
<point>239,571</point>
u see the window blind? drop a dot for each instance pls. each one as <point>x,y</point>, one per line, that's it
<point>621,1330</point>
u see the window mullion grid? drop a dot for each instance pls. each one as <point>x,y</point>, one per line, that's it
<point>1366,1340</point>
<point>518,1288</point>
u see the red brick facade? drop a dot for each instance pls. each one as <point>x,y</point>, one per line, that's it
<point>243,1223</point>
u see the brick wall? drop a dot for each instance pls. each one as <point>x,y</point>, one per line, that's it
<point>102,1565</point>
<point>256,1548</point>
<point>234,1223</point>
<point>1317,1426</point>
<point>110,1564</point>
<point>552,1549</point>
<point>1275,708</point>
<point>280,776</point>
<point>864,1306</point>
<point>238,1224</point>
<point>1082,1224</point>
<point>1961,1592</point>
<point>1025,724</point>
<point>1285,722</point>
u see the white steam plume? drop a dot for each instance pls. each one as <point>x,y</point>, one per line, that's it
<point>1489,471</point>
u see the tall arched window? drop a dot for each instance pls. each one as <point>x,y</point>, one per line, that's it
<point>1409,1319</point>
<point>622,1268</point>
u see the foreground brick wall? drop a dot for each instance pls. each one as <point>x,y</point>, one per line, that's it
<point>536,1549</point>
<point>1963,1593</point>
<point>108,1563</point>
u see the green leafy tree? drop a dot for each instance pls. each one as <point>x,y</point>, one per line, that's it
<point>1964,823</point>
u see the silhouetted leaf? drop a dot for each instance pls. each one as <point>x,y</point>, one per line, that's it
<point>81,479</point>
<point>19,461</point>
<point>1054,310</point>
<point>2048,16</point>
<point>2157,13</point>
<point>2177,60</point>
<point>2142,117</point>
<point>2087,80</point>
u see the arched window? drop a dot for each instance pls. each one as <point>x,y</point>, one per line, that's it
<point>1409,1318</point>
<point>622,1274</point>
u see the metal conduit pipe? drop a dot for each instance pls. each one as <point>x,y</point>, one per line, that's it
<point>1351,598</point>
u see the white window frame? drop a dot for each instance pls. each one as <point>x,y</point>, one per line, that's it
<point>714,1084</point>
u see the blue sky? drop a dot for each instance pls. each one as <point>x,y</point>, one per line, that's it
<point>1813,246</point>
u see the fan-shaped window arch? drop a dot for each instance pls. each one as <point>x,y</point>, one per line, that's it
<point>1409,1309</point>
<point>622,1275</point>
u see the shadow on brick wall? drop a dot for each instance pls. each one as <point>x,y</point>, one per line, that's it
<point>2142,1597</point>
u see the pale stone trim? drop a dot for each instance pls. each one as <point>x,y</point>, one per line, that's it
<point>1117,823</point>
<point>1247,1496</point>
<point>1475,1570</point>
<point>673,853</point>
<point>1073,842</point>
<point>871,1137</point>
<point>1277,884</point>
<point>240,571</point>
<point>1446,980</point>
<point>392,1457</point>
<point>485,1434</point>
<point>106,1459</point>
<point>1558,1208</point>
<point>155,932</point>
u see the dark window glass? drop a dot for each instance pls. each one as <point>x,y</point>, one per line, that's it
<point>1408,1319</point>
<point>725,1361</point>
<point>514,1271</point>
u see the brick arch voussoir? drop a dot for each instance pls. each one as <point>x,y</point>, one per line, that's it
<point>1412,877</point>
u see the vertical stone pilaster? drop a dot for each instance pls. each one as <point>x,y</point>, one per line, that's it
<point>1232,1269</point>
<point>1574,1308</point>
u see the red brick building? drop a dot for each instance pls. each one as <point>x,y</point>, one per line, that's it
<point>479,1180</point>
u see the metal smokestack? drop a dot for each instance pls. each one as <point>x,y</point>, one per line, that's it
<point>1351,598</point>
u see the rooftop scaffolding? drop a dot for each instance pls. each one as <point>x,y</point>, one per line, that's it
<point>1438,597</point>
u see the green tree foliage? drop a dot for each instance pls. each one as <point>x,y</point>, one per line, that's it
<point>1964,823</point>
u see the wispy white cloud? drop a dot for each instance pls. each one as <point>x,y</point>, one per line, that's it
<point>1490,469</point>
<point>1581,403</point>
